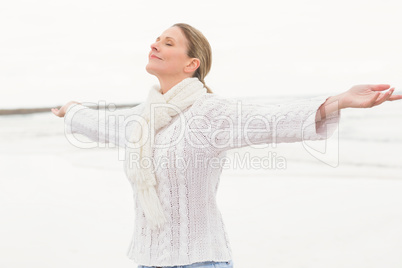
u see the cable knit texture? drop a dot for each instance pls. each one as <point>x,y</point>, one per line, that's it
<point>187,183</point>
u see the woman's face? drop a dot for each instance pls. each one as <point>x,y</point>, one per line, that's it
<point>168,55</point>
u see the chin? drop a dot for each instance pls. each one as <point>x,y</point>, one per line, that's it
<point>149,69</point>
<point>154,71</point>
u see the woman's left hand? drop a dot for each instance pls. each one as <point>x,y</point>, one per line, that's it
<point>367,96</point>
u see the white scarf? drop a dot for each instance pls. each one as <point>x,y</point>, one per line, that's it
<point>179,97</point>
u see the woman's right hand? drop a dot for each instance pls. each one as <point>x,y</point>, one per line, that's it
<point>62,111</point>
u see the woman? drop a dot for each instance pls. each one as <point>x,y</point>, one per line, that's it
<point>177,221</point>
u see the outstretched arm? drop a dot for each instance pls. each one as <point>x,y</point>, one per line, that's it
<point>232,123</point>
<point>223,123</point>
<point>99,125</point>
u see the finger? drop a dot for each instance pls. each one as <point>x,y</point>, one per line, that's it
<point>395,97</point>
<point>381,99</point>
<point>379,87</point>
<point>55,111</point>
<point>384,97</point>
<point>373,100</point>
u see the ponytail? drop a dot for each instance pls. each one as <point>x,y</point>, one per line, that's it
<point>208,89</point>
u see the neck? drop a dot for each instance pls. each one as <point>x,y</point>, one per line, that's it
<point>167,83</point>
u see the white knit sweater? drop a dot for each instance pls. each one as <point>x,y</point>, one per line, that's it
<point>195,231</point>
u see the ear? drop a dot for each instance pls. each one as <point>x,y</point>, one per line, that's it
<point>192,66</point>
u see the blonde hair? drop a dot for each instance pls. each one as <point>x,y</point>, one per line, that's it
<point>198,47</point>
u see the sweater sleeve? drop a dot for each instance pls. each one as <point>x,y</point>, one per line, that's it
<point>100,126</point>
<point>228,123</point>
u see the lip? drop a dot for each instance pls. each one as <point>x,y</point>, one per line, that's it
<point>152,56</point>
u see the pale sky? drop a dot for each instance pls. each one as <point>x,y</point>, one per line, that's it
<point>52,52</point>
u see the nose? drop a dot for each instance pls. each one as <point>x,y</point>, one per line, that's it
<point>155,46</point>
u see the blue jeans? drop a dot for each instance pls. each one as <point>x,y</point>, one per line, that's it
<point>207,264</point>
